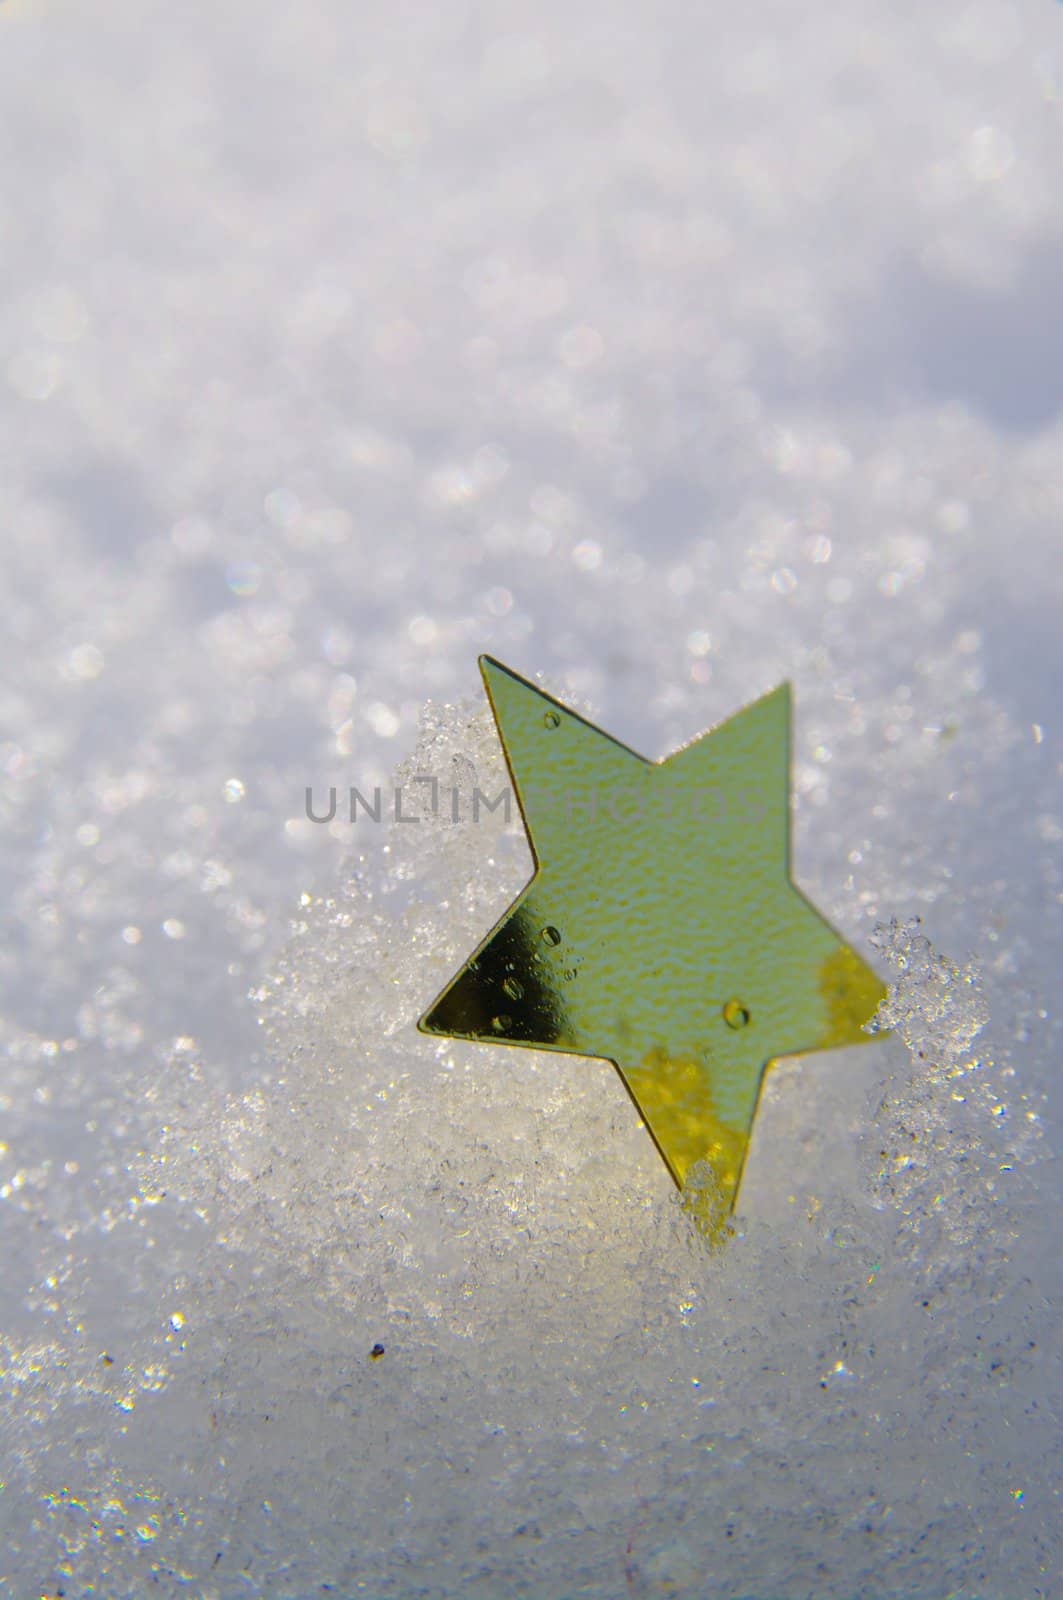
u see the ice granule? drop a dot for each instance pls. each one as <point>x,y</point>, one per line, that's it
<point>937,1008</point>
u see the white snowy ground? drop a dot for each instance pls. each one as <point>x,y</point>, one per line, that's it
<point>669,350</point>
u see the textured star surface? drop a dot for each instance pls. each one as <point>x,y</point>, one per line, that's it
<point>661,929</point>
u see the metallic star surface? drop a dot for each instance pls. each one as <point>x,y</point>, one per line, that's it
<point>661,929</point>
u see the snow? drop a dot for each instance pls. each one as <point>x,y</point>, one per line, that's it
<point>667,351</point>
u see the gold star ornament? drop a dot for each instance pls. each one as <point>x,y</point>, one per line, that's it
<point>661,929</point>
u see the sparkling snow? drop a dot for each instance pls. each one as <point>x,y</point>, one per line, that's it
<point>666,350</point>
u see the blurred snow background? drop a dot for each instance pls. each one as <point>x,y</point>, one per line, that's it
<point>669,350</point>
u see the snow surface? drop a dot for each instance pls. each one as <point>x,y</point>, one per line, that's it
<point>666,350</point>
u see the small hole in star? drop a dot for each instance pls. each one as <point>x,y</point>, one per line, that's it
<point>735,1014</point>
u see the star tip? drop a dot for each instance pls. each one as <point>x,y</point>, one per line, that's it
<point>777,702</point>
<point>489,665</point>
<point>781,695</point>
